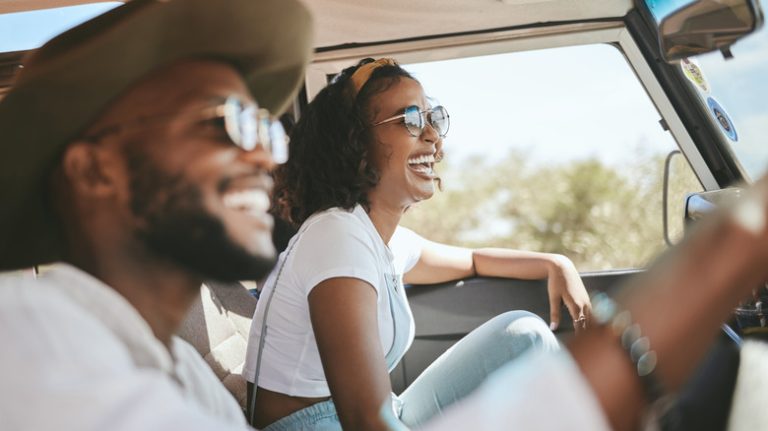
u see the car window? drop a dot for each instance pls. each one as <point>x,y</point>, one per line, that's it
<point>557,150</point>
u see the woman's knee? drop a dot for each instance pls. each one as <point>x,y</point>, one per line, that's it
<point>524,327</point>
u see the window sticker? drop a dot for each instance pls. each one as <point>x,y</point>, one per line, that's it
<point>722,119</point>
<point>693,72</point>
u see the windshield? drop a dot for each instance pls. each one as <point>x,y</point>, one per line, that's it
<point>734,92</point>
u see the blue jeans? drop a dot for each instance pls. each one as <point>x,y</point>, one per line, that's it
<point>317,417</point>
<point>463,367</point>
<point>455,374</point>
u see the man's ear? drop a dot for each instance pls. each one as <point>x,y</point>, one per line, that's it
<point>90,169</point>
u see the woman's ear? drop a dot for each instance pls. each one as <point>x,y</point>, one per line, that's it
<point>89,168</point>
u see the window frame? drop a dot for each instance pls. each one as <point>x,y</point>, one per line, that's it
<point>722,163</point>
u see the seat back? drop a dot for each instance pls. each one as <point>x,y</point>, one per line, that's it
<point>217,326</point>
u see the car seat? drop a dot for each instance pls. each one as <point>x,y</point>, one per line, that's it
<point>218,326</point>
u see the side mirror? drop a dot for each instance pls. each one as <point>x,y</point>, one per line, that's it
<point>704,25</point>
<point>698,205</point>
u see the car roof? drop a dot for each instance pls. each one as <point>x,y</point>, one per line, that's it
<point>342,22</point>
<point>357,23</point>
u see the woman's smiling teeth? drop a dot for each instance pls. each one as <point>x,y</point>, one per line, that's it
<point>422,164</point>
<point>425,158</point>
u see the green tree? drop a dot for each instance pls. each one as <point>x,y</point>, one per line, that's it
<point>600,216</point>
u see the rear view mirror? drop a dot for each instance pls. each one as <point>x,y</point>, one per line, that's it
<point>688,28</point>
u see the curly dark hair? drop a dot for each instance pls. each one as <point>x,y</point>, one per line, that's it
<point>329,162</point>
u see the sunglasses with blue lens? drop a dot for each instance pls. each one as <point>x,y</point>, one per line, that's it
<point>415,120</point>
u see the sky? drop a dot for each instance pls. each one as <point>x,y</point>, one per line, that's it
<point>556,105</point>
<point>578,102</point>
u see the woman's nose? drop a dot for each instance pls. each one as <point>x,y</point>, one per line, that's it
<point>430,134</point>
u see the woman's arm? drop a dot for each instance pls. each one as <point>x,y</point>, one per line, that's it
<point>439,263</point>
<point>344,319</point>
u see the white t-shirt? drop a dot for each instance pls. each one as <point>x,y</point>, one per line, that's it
<point>78,356</point>
<point>332,243</point>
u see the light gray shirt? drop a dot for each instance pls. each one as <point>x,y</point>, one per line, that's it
<point>78,356</point>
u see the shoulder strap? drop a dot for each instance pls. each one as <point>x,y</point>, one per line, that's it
<point>263,333</point>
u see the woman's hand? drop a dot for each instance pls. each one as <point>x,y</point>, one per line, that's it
<point>564,284</point>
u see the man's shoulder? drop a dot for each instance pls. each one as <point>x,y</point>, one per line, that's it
<point>22,290</point>
<point>40,322</point>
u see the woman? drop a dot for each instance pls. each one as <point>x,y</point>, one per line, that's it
<point>333,319</point>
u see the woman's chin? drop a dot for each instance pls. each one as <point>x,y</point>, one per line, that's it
<point>423,193</point>
<point>422,186</point>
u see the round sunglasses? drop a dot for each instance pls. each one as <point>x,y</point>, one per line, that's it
<point>247,126</point>
<point>415,120</point>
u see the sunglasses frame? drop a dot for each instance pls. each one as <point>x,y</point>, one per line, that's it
<point>265,130</point>
<point>425,117</point>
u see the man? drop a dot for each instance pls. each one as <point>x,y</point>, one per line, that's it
<point>134,152</point>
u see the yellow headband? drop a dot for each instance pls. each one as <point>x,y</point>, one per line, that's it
<point>363,73</point>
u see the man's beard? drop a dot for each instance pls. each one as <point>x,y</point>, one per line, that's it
<point>176,225</point>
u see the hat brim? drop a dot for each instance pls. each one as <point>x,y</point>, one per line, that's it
<point>69,81</point>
